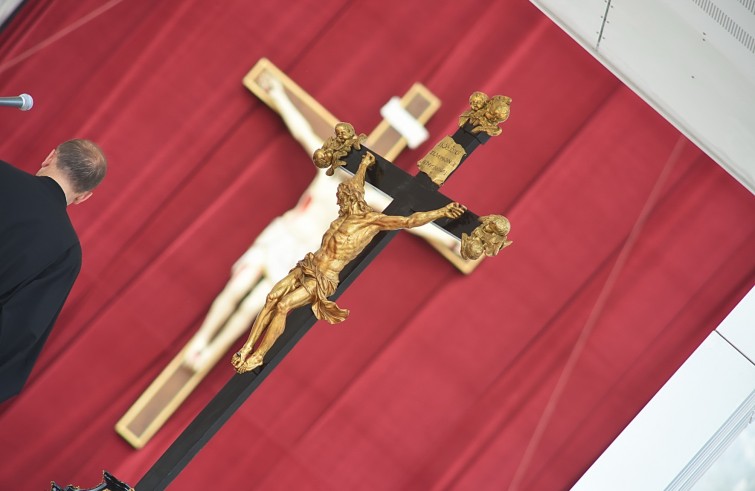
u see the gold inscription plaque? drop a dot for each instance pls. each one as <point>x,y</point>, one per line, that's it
<point>442,160</point>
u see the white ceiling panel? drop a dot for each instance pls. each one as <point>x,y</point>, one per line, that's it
<point>692,60</point>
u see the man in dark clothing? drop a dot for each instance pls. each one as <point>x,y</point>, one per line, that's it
<point>40,255</point>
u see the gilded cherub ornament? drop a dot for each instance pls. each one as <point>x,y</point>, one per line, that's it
<point>317,275</point>
<point>489,238</point>
<point>486,113</point>
<point>337,147</point>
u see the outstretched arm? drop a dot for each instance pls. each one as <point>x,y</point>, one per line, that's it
<point>295,121</point>
<point>378,201</point>
<point>453,210</point>
<point>368,160</point>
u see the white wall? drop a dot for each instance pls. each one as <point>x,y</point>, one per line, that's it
<point>692,60</point>
<point>692,420</point>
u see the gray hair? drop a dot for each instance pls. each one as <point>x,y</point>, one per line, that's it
<point>83,162</point>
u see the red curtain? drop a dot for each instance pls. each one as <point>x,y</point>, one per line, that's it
<point>630,246</point>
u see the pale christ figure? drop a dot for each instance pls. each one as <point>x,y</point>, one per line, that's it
<point>315,277</point>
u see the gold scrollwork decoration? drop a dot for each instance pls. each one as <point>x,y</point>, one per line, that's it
<point>488,238</point>
<point>486,113</point>
<point>337,147</point>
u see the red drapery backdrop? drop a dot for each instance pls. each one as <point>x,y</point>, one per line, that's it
<point>630,246</point>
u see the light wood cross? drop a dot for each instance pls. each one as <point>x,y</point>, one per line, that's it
<point>179,378</point>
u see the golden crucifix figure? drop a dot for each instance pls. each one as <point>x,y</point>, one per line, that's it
<point>316,276</point>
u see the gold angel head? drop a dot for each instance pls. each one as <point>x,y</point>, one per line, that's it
<point>486,113</point>
<point>488,238</point>
<point>337,147</point>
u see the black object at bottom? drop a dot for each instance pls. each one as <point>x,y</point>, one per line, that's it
<point>109,483</point>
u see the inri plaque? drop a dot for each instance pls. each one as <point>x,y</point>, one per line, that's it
<point>442,160</point>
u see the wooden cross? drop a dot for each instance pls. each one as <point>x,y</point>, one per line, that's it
<point>178,380</point>
<point>410,194</point>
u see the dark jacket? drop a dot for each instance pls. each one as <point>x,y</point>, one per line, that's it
<point>40,258</point>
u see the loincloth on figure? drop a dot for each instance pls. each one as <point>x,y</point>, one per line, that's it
<point>325,285</point>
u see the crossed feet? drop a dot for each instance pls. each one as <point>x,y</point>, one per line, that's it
<point>242,365</point>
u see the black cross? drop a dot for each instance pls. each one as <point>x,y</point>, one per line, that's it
<point>410,194</point>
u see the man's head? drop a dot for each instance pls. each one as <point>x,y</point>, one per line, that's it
<point>78,166</point>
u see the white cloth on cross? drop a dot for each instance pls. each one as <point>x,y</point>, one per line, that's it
<point>403,122</point>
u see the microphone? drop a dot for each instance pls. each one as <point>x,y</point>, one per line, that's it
<point>24,102</point>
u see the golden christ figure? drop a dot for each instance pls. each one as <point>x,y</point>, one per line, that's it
<point>315,277</point>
